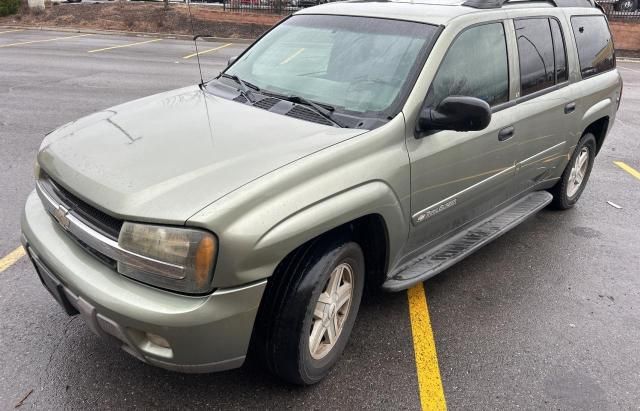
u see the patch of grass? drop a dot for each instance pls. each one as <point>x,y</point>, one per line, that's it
<point>8,7</point>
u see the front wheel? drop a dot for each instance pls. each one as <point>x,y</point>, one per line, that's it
<point>567,191</point>
<point>309,309</point>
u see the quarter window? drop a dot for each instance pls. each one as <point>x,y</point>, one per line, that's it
<point>475,66</point>
<point>536,53</point>
<point>595,47</point>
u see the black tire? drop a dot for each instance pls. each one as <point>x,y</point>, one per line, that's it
<point>283,326</point>
<point>561,198</point>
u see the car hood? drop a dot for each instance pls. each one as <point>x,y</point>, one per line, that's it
<point>165,157</point>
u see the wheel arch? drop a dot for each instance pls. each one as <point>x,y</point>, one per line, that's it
<point>599,129</point>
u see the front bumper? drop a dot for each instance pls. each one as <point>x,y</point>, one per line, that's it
<point>205,334</point>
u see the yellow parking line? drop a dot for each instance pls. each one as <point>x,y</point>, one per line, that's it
<point>291,57</point>
<point>628,169</point>
<point>11,258</point>
<point>424,346</point>
<point>10,31</point>
<point>123,45</point>
<point>207,51</point>
<point>43,41</point>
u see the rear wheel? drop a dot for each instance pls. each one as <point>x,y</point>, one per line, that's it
<point>567,191</point>
<point>309,309</point>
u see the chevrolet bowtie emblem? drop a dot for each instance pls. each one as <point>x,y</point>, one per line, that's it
<point>61,216</point>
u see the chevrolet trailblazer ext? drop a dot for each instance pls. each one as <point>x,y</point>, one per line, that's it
<point>356,143</point>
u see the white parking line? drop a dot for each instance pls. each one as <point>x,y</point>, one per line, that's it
<point>43,41</point>
<point>207,51</point>
<point>10,31</point>
<point>123,45</point>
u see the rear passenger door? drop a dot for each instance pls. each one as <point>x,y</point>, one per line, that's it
<point>546,110</point>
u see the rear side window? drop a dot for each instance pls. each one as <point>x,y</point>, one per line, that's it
<point>559,51</point>
<point>475,66</point>
<point>595,47</point>
<point>536,53</point>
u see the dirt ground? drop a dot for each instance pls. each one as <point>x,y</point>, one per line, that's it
<point>148,17</point>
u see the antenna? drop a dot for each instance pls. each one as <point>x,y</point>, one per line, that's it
<point>195,41</point>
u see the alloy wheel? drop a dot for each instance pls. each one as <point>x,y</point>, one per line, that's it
<point>578,172</point>
<point>331,311</point>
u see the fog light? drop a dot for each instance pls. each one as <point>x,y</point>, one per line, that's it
<point>157,340</point>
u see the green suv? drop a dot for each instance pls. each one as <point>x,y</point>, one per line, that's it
<point>355,145</point>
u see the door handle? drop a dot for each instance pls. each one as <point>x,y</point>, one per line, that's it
<point>506,133</point>
<point>570,108</point>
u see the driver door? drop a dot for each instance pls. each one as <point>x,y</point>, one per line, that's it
<point>458,177</point>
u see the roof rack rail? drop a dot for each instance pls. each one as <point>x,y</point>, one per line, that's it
<point>496,4</point>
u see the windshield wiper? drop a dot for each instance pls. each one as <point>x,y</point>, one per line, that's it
<point>324,110</point>
<point>244,86</point>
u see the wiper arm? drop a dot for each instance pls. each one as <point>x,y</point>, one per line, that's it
<point>324,110</point>
<point>244,86</point>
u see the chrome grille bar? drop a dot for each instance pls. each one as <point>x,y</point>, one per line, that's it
<point>98,241</point>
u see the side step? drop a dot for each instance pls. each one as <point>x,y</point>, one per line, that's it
<point>445,255</point>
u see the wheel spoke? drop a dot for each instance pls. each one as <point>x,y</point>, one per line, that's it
<point>335,280</point>
<point>318,312</point>
<point>332,330</point>
<point>317,333</point>
<point>344,295</point>
<point>583,159</point>
<point>337,324</point>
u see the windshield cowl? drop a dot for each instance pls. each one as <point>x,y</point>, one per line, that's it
<point>265,101</point>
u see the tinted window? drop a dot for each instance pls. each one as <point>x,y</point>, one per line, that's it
<point>595,47</point>
<point>475,66</point>
<point>535,48</point>
<point>559,51</point>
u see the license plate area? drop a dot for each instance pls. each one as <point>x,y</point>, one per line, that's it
<point>51,283</point>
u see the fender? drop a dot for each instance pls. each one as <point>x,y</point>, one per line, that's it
<point>374,197</point>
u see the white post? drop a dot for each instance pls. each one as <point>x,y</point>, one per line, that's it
<point>36,4</point>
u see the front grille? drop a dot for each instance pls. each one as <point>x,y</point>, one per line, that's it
<point>108,261</point>
<point>96,219</point>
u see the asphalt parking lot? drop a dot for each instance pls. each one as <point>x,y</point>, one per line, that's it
<point>547,316</point>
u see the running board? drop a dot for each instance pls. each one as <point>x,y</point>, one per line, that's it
<point>460,246</point>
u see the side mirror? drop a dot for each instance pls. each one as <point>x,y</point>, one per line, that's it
<point>456,113</point>
<point>231,60</point>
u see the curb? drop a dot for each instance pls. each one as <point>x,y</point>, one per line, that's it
<point>129,33</point>
<point>628,60</point>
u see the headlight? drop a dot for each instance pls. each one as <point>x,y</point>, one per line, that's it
<point>179,259</point>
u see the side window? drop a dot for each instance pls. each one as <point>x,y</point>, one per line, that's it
<point>560,52</point>
<point>535,50</point>
<point>475,66</point>
<point>595,47</point>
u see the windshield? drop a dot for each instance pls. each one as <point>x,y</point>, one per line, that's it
<point>355,65</point>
